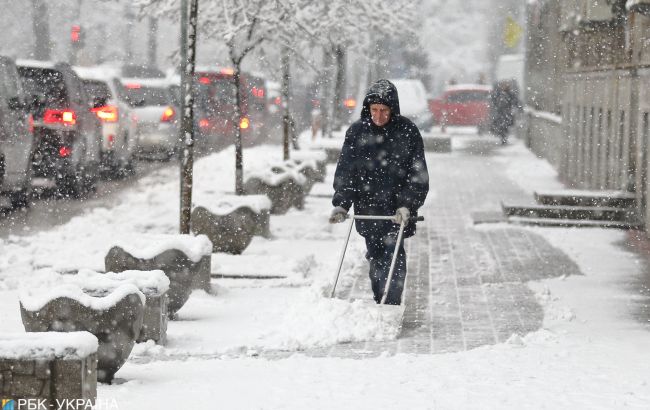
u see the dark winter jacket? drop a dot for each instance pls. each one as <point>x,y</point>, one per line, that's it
<point>504,102</point>
<point>381,168</point>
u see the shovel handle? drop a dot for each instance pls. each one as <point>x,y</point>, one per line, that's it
<point>380,217</point>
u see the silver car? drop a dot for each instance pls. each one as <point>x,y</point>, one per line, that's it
<point>118,143</point>
<point>154,118</point>
<point>16,139</point>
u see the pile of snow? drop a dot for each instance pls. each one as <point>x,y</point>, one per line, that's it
<point>47,345</point>
<point>314,320</point>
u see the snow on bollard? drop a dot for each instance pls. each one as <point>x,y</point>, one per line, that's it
<point>115,318</point>
<point>48,368</point>
<point>153,284</point>
<point>284,186</point>
<point>185,259</point>
<point>231,222</point>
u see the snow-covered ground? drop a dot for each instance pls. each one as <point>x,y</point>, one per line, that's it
<point>590,353</point>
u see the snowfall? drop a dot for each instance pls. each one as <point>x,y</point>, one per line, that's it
<point>244,344</point>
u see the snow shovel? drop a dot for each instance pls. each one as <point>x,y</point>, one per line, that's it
<point>394,259</point>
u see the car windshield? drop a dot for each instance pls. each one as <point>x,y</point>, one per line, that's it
<point>215,93</point>
<point>46,84</point>
<point>137,95</point>
<point>98,91</point>
<point>467,96</point>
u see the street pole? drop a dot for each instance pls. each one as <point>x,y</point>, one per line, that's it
<point>286,120</point>
<point>188,59</point>
<point>152,47</point>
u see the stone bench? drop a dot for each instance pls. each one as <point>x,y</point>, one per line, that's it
<point>283,186</point>
<point>114,318</point>
<point>330,146</point>
<point>436,143</point>
<point>185,259</point>
<point>153,284</point>
<point>49,368</point>
<point>310,169</point>
<point>318,158</point>
<point>231,221</point>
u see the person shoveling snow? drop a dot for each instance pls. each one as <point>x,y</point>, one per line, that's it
<point>382,171</point>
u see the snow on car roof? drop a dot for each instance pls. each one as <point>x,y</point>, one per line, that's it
<point>96,72</point>
<point>35,63</point>
<point>463,87</point>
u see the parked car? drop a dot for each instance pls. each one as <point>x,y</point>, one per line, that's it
<point>463,105</point>
<point>154,118</point>
<point>67,134</point>
<point>118,144</point>
<point>16,139</point>
<point>413,102</point>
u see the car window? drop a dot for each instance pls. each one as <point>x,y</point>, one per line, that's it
<point>137,95</point>
<point>97,90</point>
<point>467,96</point>
<point>47,84</point>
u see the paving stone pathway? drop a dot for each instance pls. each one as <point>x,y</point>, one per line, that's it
<point>466,286</point>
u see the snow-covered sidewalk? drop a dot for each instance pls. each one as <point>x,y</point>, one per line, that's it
<point>587,353</point>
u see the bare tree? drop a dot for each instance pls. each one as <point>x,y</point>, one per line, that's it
<point>41,27</point>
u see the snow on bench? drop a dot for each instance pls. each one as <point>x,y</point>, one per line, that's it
<point>48,367</point>
<point>185,259</point>
<point>114,316</point>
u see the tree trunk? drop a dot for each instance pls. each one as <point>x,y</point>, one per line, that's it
<point>187,122</point>
<point>239,154</point>
<point>286,115</point>
<point>326,95</point>
<point>152,46</point>
<point>339,86</point>
<point>129,17</point>
<point>41,27</point>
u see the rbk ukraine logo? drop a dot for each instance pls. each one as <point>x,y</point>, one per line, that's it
<point>8,404</point>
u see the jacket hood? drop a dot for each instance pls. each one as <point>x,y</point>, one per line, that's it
<point>381,92</point>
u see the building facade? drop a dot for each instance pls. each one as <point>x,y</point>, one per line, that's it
<point>588,99</point>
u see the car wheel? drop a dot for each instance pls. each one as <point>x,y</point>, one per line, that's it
<point>70,186</point>
<point>20,199</point>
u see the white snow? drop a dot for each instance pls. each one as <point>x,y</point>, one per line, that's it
<point>148,282</point>
<point>33,299</point>
<point>275,174</point>
<point>148,246</point>
<point>228,203</point>
<point>47,345</point>
<point>590,352</point>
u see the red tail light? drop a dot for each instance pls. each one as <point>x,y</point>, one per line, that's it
<point>65,117</point>
<point>244,123</point>
<point>133,86</point>
<point>107,113</point>
<point>168,115</point>
<point>204,80</point>
<point>204,123</point>
<point>30,123</point>
<point>65,152</point>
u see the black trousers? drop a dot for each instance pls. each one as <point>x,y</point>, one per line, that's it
<point>379,254</point>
